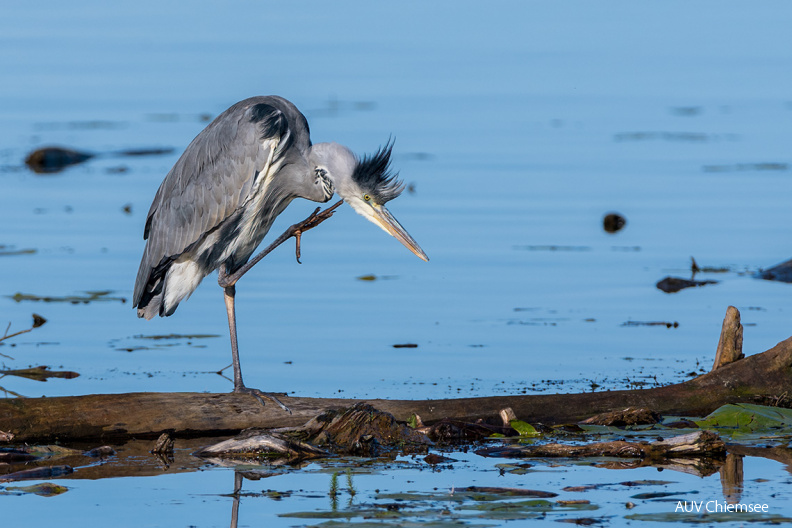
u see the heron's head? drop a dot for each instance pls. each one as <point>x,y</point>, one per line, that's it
<point>365,184</point>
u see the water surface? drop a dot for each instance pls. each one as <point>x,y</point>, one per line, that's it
<point>518,126</point>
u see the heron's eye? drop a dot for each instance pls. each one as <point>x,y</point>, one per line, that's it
<point>367,197</point>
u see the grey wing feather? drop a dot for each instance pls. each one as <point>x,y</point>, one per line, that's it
<point>211,180</point>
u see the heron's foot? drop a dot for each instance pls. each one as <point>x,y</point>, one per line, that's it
<point>316,218</point>
<point>260,395</point>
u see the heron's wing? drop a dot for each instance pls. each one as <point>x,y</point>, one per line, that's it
<point>213,178</point>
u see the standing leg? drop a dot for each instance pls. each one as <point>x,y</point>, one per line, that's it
<point>229,293</point>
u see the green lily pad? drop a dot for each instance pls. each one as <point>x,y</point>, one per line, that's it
<point>524,428</point>
<point>745,418</point>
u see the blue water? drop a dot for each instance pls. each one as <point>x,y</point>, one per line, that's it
<point>520,125</point>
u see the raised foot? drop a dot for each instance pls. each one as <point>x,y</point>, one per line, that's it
<point>312,221</point>
<point>260,395</point>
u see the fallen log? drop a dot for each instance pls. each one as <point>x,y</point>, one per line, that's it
<point>758,378</point>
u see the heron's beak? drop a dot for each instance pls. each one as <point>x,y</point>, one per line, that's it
<point>383,218</point>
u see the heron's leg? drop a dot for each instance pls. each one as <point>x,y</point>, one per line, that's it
<point>316,218</point>
<point>229,293</point>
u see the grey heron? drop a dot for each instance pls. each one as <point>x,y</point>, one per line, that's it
<point>219,200</point>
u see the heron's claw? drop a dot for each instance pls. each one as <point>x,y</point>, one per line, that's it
<point>297,238</point>
<point>312,221</point>
<point>260,395</point>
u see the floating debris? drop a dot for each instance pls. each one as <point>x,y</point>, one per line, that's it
<point>8,251</point>
<point>552,247</point>
<point>38,473</point>
<point>686,111</point>
<point>375,277</point>
<point>508,492</point>
<point>45,489</point>
<point>667,324</point>
<point>674,284</point>
<point>9,456</point>
<point>628,416</point>
<point>780,272</point>
<point>406,345</point>
<point>695,268</point>
<point>93,124</point>
<point>91,296</point>
<point>684,137</point>
<point>613,222</point>
<point>747,167</point>
<point>41,373</point>
<point>100,452</point>
<point>176,336</point>
<point>144,152</point>
<point>625,248</point>
<point>49,160</point>
<point>433,459</point>
<point>6,437</point>
<point>360,430</point>
<point>695,445</point>
<point>174,117</point>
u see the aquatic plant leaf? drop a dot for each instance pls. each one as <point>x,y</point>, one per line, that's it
<point>524,428</point>
<point>748,418</point>
<point>45,489</point>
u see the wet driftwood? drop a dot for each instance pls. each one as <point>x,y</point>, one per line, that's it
<point>260,444</point>
<point>360,430</point>
<point>698,444</point>
<point>731,339</point>
<point>758,378</point>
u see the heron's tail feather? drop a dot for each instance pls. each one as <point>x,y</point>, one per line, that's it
<point>164,291</point>
<point>151,309</point>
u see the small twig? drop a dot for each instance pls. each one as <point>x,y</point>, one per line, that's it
<point>225,280</point>
<point>37,321</point>
<point>7,336</point>
<point>12,393</point>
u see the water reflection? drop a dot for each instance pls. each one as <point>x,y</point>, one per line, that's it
<point>133,459</point>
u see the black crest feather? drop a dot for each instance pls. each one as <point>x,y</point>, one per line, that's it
<point>372,174</point>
